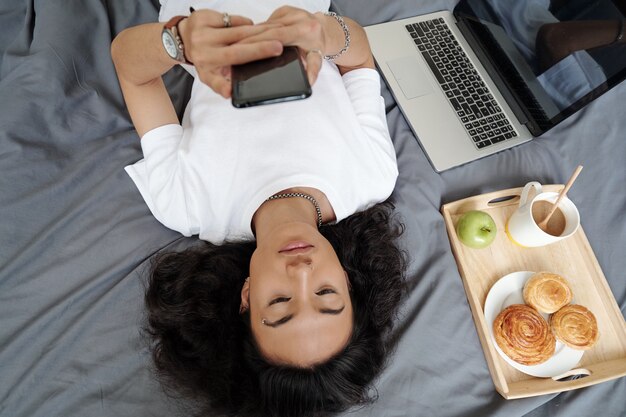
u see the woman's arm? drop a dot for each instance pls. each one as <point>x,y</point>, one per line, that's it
<point>358,54</point>
<point>140,61</point>
<point>555,41</point>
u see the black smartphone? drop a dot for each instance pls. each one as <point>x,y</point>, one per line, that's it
<point>271,80</point>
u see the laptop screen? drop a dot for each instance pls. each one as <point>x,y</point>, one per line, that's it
<point>553,56</point>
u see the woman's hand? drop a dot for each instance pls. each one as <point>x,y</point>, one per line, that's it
<point>296,27</point>
<point>213,48</point>
<point>317,35</point>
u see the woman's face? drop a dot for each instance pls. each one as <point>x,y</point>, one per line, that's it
<point>299,297</point>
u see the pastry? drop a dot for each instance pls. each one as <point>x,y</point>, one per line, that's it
<point>524,335</point>
<point>547,292</point>
<point>575,326</point>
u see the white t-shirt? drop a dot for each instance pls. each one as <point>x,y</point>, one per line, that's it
<point>211,174</point>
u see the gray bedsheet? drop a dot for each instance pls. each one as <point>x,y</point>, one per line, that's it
<point>75,235</point>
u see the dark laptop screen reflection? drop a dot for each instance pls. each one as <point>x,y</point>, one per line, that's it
<point>559,55</point>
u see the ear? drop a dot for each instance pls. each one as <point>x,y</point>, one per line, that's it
<point>245,297</point>
<point>348,280</point>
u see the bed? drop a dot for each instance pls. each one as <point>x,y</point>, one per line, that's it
<point>76,237</point>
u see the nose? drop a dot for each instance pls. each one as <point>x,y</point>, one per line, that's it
<point>299,267</point>
<point>299,272</point>
<point>299,261</point>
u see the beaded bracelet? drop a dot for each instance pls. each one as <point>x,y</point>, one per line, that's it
<point>346,33</point>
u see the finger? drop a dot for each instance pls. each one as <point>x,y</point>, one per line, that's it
<point>287,35</point>
<point>288,19</point>
<point>302,33</point>
<point>231,35</point>
<point>239,21</point>
<point>314,61</point>
<point>215,19</point>
<point>289,13</point>
<point>282,12</point>
<point>241,53</point>
<point>216,82</point>
<point>213,58</point>
<point>224,87</point>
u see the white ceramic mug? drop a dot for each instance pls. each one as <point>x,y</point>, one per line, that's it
<point>522,228</point>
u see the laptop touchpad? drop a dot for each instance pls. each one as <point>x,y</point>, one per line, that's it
<point>409,73</point>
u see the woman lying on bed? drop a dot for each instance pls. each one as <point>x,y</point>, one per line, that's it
<point>283,312</point>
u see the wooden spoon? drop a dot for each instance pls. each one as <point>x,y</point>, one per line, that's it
<point>544,223</point>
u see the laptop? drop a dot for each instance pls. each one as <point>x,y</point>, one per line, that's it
<point>471,83</point>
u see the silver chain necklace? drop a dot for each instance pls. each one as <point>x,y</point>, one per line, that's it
<point>301,195</point>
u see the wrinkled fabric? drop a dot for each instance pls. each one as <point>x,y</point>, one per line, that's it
<point>76,236</point>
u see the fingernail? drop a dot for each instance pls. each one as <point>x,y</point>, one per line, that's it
<point>191,9</point>
<point>277,48</point>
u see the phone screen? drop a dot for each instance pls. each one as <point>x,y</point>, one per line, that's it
<point>270,80</point>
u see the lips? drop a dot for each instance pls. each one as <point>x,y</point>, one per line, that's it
<point>294,248</point>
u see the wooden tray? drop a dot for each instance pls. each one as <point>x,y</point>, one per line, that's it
<point>572,258</point>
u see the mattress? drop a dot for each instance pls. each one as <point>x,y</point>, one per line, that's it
<point>76,238</point>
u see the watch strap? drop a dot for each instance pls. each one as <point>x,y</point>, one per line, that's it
<point>174,21</point>
<point>172,27</point>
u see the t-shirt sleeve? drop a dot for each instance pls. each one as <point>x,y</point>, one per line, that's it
<point>363,87</point>
<point>160,179</point>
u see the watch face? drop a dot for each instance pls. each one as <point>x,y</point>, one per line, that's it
<point>169,43</point>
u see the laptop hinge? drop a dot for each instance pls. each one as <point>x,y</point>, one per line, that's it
<point>509,94</point>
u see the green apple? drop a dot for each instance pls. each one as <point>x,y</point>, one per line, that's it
<point>476,229</point>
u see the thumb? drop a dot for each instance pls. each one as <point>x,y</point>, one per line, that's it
<point>313,63</point>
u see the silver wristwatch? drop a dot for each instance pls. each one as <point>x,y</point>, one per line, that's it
<point>172,42</point>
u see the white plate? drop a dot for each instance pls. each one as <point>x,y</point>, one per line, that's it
<point>508,290</point>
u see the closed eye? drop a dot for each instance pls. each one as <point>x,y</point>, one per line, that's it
<point>326,291</point>
<point>279,300</point>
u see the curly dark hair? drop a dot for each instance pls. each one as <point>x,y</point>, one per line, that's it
<point>203,348</point>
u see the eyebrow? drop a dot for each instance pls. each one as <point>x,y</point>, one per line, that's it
<point>279,322</point>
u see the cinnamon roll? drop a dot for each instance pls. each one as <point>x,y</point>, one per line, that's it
<point>524,335</point>
<point>575,326</point>
<point>547,292</point>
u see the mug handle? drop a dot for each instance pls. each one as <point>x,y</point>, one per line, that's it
<point>526,190</point>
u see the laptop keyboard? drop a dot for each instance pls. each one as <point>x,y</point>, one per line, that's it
<point>470,97</point>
